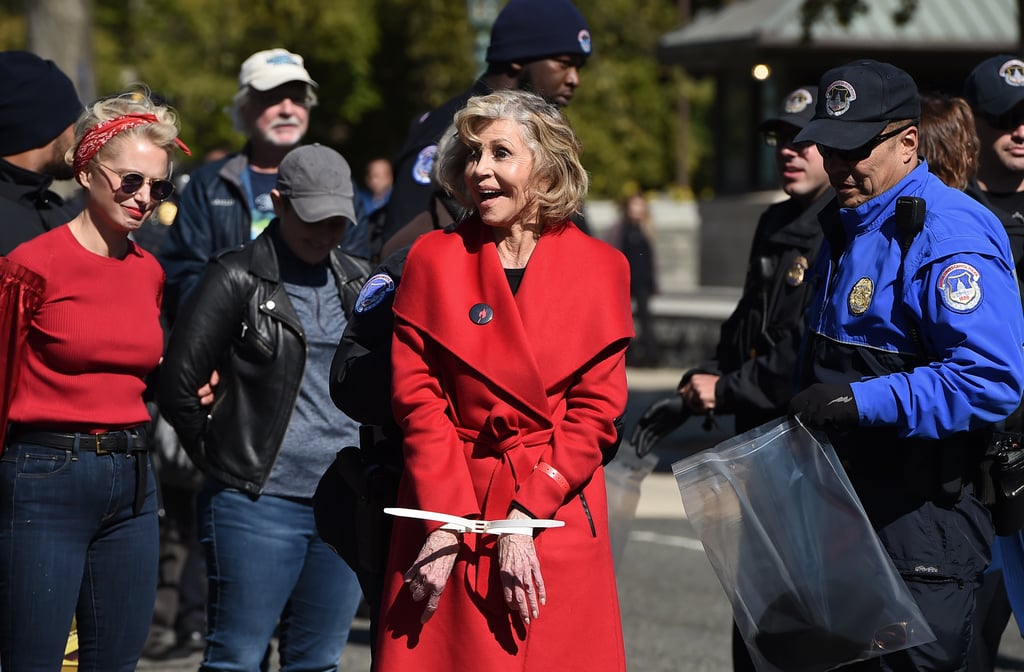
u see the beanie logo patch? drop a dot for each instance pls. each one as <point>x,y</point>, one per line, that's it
<point>798,101</point>
<point>1012,72</point>
<point>584,39</point>
<point>838,97</point>
<point>424,162</point>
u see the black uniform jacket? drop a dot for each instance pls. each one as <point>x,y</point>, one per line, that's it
<point>759,344</point>
<point>28,207</point>
<point>240,323</point>
<point>412,190</point>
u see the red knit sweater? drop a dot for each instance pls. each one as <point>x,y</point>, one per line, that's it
<point>93,340</point>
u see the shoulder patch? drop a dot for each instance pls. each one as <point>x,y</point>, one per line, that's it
<point>424,162</point>
<point>374,292</point>
<point>960,287</point>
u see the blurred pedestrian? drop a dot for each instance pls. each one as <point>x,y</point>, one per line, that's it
<point>377,185</point>
<point>634,237</point>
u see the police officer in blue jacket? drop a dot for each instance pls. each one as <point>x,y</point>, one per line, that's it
<point>914,347</point>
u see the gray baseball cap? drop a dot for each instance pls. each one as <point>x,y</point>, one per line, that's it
<point>318,182</point>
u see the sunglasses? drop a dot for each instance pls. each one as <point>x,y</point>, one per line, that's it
<point>159,190</point>
<point>1007,121</point>
<point>864,151</point>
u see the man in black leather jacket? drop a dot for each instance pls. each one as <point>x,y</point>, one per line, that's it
<point>267,317</point>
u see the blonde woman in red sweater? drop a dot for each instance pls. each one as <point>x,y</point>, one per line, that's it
<point>78,524</point>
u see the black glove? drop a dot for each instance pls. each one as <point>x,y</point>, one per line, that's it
<point>659,419</point>
<point>826,406</point>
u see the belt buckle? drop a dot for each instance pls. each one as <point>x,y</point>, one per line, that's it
<point>99,446</point>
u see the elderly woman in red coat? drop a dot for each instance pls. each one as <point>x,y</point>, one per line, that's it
<point>509,374</point>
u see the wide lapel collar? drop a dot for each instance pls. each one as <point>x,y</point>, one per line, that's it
<point>499,348</point>
<point>567,301</point>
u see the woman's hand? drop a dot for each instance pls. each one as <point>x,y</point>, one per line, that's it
<point>205,393</point>
<point>520,573</point>
<point>429,574</point>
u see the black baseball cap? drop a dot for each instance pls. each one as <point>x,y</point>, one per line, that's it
<point>797,109</point>
<point>857,101</point>
<point>995,85</point>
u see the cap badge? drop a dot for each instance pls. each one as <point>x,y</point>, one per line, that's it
<point>860,296</point>
<point>1012,72</point>
<point>584,39</point>
<point>960,285</point>
<point>795,273</point>
<point>481,313</point>
<point>798,101</point>
<point>424,162</point>
<point>838,97</point>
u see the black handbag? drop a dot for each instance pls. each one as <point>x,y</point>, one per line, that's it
<point>348,507</point>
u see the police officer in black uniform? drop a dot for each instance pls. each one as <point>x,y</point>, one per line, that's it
<point>539,45</point>
<point>751,375</point>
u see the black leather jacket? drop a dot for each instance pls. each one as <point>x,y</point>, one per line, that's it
<point>240,323</point>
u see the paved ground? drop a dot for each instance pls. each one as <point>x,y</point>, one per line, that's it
<point>675,614</point>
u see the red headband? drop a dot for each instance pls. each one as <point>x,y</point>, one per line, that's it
<point>101,133</point>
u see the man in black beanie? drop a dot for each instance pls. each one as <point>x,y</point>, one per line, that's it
<point>537,45</point>
<point>37,115</point>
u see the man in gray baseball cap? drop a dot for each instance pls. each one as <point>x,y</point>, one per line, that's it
<point>317,182</point>
<point>267,316</point>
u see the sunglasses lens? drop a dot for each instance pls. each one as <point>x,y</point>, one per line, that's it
<point>131,182</point>
<point>161,189</point>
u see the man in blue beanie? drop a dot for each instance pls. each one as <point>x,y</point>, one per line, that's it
<point>37,115</point>
<point>537,45</point>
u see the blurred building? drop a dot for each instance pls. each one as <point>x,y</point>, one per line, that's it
<point>756,51</point>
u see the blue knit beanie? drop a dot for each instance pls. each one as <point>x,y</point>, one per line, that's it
<point>39,102</point>
<point>528,30</point>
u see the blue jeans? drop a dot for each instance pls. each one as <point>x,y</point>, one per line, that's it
<point>69,543</point>
<point>265,564</point>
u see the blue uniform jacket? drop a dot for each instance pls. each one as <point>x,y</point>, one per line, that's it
<point>957,288</point>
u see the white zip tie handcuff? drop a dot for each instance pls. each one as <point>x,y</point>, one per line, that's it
<point>464,525</point>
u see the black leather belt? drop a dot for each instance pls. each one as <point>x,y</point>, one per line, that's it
<point>116,441</point>
<point>125,441</point>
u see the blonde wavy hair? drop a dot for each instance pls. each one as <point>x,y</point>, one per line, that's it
<point>136,101</point>
<point>559,181</point>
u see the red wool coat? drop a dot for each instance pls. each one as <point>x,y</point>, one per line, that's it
<point>481,405</point>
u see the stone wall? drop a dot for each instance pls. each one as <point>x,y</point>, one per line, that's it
<point>701,251</point>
